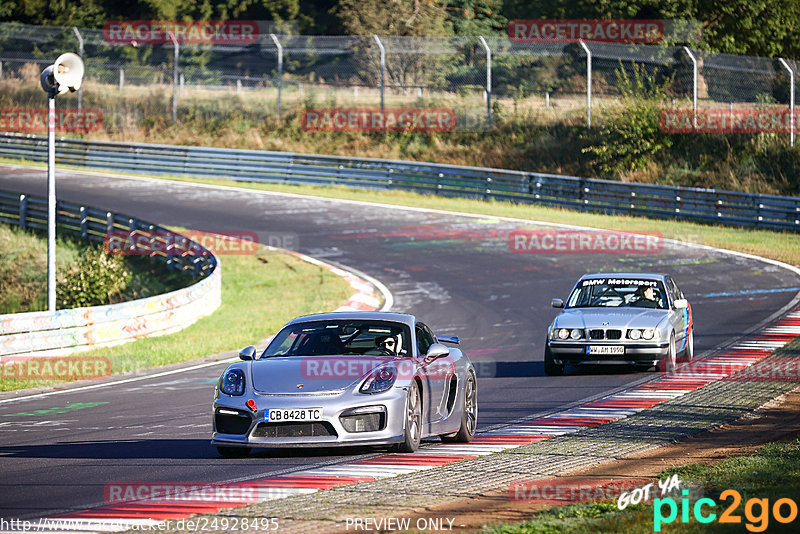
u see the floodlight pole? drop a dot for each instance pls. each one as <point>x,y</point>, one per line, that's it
<point>51,201</point>
<point>80,53</point>
<point>280,67</point>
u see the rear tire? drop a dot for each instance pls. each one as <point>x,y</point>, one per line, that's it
<point>550,367</point>
<point>413,424</point>
<point>469,414</point>
<point>233,452</point>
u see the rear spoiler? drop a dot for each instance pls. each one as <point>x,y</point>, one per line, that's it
<point>447,339</point>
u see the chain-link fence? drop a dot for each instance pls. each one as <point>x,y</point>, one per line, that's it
<point>475,77</point>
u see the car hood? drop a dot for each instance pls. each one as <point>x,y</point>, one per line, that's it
<point>620,318</point>
<point>317,374</point>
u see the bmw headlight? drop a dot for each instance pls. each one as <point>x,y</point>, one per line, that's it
<point>648,333</point>
<point>575,334</point>
<point>563,333</point>
<point>232,382</point>
<point>635,334</point>
<point>380,380</point>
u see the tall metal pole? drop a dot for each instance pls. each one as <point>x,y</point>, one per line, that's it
<point>791,100</point>
<point>51,201</point>
<point>174,78</point>
<point>80,53</point>
<point>383,67</point>
<point>488,80</point>
<point>280,68</point>
<point>694,85</point>
<point>588,84</point>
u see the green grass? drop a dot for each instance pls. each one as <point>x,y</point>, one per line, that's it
<point>260,292</point>
<point>23,270</point>
<point>772,473</point>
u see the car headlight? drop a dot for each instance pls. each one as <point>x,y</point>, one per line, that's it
<point>575,334</point>
<point>635,334</point>
<point>563,333</point>
<point>380,380</point>
<point>232,382</point>
<point>648,333</point>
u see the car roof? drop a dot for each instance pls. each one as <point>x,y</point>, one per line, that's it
<point>651,276</point>
<point>357,316</point>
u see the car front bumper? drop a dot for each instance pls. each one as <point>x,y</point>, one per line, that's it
<point>250,429</point>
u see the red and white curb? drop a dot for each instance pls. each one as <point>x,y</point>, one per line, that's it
<point>740,356</point>
<point>370,294</point>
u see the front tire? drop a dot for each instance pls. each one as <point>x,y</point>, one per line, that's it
<point>233,452</point>
<point>688,352</point>
<point>413,424</point>
<point>469,414</point>
<point>667,365</point>
<point>550,367</point>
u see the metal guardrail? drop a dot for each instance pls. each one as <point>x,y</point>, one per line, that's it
<point>583,194</point>
<point>45,333</point>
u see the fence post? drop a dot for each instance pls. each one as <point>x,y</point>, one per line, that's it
<point>791,100</point>
<point>174,77</point>
<point>280,67</point>
<point>121,79</point>
<point>84,224</point>
<point>383,68</point>
<point>588,84</point>
<point>23,212</point>
<point>80,53</point>
<point>488,80</point>
<point>694,85</point>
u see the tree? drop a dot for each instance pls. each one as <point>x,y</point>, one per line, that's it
<point>394,17</point>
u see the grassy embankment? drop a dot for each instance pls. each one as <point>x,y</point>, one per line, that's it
<point>23,274</point>
<point>260,292</point>
<point>625,142</point>
<point>772,473</point>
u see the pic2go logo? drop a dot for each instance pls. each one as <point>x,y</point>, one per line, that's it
<point>783,510</point>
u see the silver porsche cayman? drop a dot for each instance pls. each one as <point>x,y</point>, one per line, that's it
<point>629,318</point>
<point>346,378</point>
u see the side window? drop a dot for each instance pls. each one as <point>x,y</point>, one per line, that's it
<point>674,292</point>
<point>424,339</point>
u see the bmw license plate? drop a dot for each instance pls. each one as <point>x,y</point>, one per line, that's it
<point>299,414</point>
<point>605,349</point>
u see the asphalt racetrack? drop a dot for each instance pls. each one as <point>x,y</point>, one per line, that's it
<point>457,273</point>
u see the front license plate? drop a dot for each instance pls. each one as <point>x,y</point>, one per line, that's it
<point>605,349</point>
<point>299,414</point>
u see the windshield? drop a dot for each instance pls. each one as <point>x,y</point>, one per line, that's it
<point>341,337</point>
<point>618,293</point>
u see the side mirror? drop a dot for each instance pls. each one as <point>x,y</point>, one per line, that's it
<point>681,304</point>
<point>437,350</point>
<point>248,353</point>
<point>557,303</point>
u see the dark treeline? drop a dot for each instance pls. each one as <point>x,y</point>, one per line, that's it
<point>752,27</point>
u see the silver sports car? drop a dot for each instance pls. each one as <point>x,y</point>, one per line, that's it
<point>630,318</point>
<point>346,378</point>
